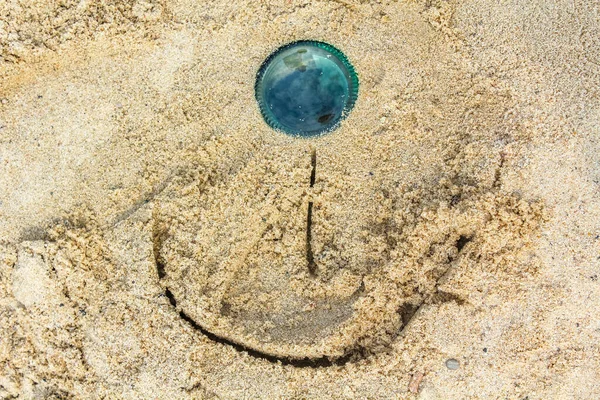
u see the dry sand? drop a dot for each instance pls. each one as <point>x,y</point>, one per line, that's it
<point>153,227</point>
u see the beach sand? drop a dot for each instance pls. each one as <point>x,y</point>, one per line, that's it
<point>153,228</point>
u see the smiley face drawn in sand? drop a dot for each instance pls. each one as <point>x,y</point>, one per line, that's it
<point>297,270</point>
<point>324,248</point>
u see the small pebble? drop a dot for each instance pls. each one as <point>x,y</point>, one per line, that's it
<point>452,364</point>
<point>415,382</point>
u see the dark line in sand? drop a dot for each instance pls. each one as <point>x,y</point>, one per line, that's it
<point>143,200</point>
<point>310,257</point>
<point>408,311</point>
<point>313,163</point>
<point>295,362</point>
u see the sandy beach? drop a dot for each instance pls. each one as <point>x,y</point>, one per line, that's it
<point>153,227</point>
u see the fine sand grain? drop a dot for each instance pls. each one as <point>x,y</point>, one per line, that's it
<point>155,237</point>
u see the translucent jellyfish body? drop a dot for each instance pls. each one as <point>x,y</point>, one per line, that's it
<point>306,88</point>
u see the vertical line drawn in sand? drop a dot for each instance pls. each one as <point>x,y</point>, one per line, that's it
<point>310,257</point>
<point>313,163</point>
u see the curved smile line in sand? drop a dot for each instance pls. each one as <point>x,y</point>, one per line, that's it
<point>356,352</point>
<point>406,314</point>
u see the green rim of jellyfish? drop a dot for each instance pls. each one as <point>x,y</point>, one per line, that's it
<point>353,84</point>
